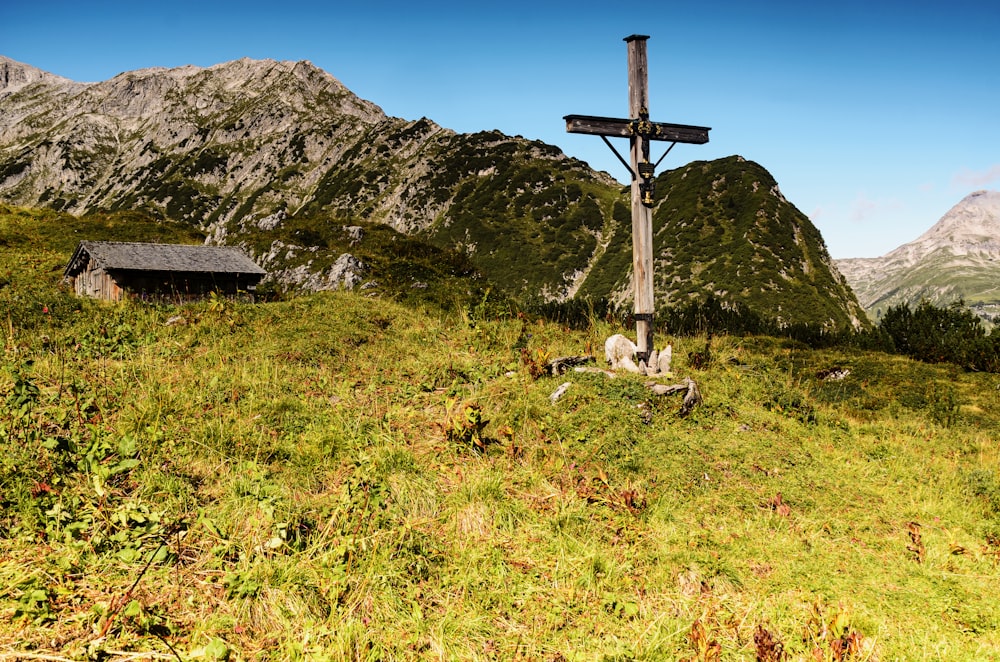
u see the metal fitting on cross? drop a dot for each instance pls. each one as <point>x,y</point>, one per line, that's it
<point>646,183</point>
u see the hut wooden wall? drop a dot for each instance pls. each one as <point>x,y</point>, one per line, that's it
<point>97,283</point>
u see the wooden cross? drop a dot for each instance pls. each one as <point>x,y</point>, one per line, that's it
<point>640,131</point>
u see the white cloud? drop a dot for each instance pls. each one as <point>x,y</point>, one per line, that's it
<point>971,178</point>
<point>864,208</point>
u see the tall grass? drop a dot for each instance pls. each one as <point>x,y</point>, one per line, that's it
<point>292,481</point>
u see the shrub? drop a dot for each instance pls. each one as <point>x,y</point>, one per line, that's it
<point>951,334</point>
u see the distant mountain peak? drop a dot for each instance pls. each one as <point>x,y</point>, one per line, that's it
<point>958,257</point>
<point>970,227</point>
<point>16,75</point>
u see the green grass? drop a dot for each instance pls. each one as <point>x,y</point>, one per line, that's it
<point>299,480</point>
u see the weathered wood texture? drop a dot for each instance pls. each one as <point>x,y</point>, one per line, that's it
<point>642,215</point>
<point>640,131</point>
<point>94,282</point>
<point>114,270</point>
<point>692,396</point>
<point>619,128</point>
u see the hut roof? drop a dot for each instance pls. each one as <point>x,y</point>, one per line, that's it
<point>131,256</point>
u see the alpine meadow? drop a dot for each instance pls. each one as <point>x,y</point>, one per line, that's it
<point>385,458</point>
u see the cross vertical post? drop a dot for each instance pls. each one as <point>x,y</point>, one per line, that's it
<point>640,131</point>
<point>642,215</point>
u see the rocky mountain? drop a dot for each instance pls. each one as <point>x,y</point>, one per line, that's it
<point>14,76</point>
<point>281,158</point>
<point>958,258</point>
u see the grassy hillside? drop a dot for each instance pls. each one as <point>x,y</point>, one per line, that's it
<point>340,477</point>
<point>528,217</point>
<point>394,265</point>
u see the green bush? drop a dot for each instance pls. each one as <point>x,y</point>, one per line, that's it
<point>952,334</point>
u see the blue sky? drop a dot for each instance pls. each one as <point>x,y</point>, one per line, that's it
<point>874,117</point>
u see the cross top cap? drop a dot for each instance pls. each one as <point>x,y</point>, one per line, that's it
<point>637,37</point>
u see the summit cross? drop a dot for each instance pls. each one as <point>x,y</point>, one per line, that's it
<point>640,131</point>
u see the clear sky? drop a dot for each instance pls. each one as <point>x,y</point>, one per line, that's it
<point>874,116</point>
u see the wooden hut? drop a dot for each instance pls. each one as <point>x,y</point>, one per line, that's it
<point>113,270</point>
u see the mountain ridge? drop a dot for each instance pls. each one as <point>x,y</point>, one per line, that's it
<point>15,75</point>
<point>246,148</point>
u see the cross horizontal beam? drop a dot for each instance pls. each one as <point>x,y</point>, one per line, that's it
<point>610,126</point>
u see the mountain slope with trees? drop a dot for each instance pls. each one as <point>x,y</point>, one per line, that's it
<point>723,230</point>
<point>250,152</point>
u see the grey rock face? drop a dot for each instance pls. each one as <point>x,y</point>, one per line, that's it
<point>196,141</point>
<point>959,257</point>
<point>346,273</point>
